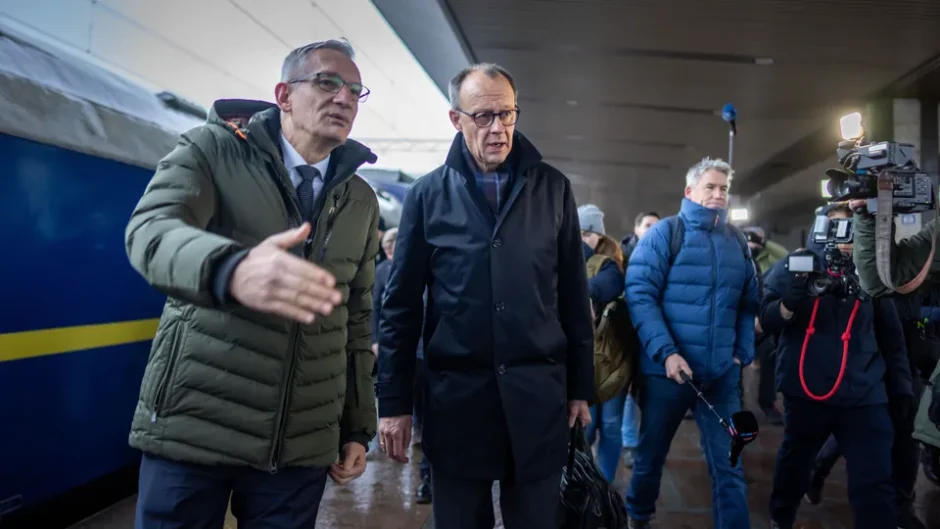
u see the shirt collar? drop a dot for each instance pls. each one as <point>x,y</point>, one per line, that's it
<point>293,159</point>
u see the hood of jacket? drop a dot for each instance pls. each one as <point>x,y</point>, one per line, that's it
<point>260,121</point>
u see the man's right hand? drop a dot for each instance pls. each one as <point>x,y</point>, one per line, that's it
<point>675,365</point>
<point>271,279</point>
<point>395,436</point>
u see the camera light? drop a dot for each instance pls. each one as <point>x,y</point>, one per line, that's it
<point>824,188</point>
<point>739,214</point>
<point>851,126</point>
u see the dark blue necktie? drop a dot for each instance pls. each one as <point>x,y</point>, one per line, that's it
<point>306,191</point>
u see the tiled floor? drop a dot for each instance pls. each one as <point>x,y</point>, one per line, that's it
<point>384,497</point>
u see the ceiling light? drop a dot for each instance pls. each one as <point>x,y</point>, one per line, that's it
<point>739,215</point>
<point>574,137</point>
<point>763,61</point>
<point>571,103</point>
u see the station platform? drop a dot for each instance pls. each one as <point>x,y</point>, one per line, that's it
<point>384,496</point>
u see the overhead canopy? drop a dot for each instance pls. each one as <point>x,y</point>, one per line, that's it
<point>625,95</point>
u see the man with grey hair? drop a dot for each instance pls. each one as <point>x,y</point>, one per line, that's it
<point>493,235</point>
<point>692,292</point>
<point>263,237</point>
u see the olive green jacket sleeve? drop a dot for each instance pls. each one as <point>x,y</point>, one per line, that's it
<point>907,256</point>
<point>775,251</point>
<point>166,238</point>
<point>359,415</point>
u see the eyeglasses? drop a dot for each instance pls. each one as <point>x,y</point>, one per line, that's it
<point>485,119</point>
<point>332,83</point>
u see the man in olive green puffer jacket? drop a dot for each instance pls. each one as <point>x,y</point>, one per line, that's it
<point>264,239</point>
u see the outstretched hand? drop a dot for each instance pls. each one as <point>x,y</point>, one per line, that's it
<point>271,279</point>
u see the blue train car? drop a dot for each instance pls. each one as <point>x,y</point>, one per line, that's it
<point>77,147</point>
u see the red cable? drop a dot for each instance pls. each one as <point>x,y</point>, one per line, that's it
<point>846,336</point>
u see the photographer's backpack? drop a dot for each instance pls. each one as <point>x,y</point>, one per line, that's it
<point>616,344</point>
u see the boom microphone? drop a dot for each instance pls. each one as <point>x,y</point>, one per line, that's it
<point>742,427</point>
<point>729,114</point>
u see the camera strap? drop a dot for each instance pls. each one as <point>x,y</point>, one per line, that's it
<point>884,222</point>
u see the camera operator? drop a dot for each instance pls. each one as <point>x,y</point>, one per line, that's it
<point>907,257</point>
<point>831,386</point>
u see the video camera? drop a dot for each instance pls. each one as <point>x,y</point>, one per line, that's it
<point>835,275</point>
<point>862,165</point>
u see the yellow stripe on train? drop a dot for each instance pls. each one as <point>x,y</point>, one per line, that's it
<point>43,342</point>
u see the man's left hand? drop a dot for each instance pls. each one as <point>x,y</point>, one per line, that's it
<point>352,466</point>
<point>578,410</point>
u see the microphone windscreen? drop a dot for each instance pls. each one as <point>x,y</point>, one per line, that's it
<point>728,113</point>
<point>745,423</point>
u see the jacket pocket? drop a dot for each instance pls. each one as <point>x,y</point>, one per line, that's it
<point>166,375</point>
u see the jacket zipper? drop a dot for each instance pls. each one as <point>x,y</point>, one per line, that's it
<point>329,230</point>
<point>711,329</point>
<point>276,446</point>
<point>160,395</point>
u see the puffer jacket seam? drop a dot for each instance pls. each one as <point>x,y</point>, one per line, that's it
<point>228,371</point>
<point>214,450</point>
<point>222,399</point>
<point>321,380</point>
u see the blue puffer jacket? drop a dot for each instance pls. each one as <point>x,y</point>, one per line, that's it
<point>703,307</point>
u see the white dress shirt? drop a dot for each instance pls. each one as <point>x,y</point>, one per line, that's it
<point>293,159</point>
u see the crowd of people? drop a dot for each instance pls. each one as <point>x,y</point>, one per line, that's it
<point>299,330</point>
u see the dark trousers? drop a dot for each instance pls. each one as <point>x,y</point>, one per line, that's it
<point>827,457</point>
<point>461,503</point>
<point>766,385</point>
<point>865,435</point>
<point>176,495</point>
<point>421,378</point>
<point>424,466</point>
<point>904,460</point>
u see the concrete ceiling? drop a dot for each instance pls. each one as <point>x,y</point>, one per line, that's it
<point>624,95</point>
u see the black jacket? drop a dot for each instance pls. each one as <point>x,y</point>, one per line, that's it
<point>877,362</point>
<point>627,245</point>
<point>378,291</point>
<point>508,336</point>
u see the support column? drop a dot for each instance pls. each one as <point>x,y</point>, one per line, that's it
<point>930,144</point>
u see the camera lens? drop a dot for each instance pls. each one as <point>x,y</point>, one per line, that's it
<point>818,285</point>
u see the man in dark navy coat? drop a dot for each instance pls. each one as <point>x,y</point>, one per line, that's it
<point>508,343</point>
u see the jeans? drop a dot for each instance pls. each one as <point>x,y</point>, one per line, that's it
<point>609,421</point>
<point>663,404</point>
<point>630,430</point>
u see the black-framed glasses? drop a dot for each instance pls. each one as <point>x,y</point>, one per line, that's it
<point>332,83</point>
<point>486,118</point>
